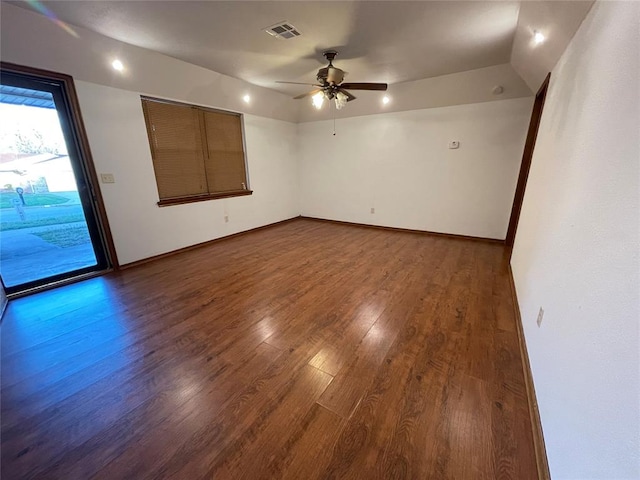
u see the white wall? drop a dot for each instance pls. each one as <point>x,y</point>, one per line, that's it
<point>115,126</point>
<point>577,252</point>
<point>400,164</point>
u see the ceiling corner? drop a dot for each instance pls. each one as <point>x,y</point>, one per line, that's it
<point>558,21</point>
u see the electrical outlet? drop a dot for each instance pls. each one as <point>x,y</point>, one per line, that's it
<point>373,210</point>
<point>107,178</point>
<point>226,219</point>
<point>540,315</point>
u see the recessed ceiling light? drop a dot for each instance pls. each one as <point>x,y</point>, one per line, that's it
<point>117,65</point>
<point>385,99</point>
<point>538,37</point>
<point>246,99</point>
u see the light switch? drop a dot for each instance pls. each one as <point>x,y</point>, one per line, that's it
<point>107,178</point>
<point>453,144</point>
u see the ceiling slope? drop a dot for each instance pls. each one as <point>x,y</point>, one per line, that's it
<point>431,53</point>
<point>558,21</point>
<point>88,55</point>
<point>377,41</point>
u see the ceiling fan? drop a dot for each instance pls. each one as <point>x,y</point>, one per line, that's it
<point>330,85</point>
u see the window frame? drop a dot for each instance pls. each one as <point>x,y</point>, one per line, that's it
<point>164,202</point>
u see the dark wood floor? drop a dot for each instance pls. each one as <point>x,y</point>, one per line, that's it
<point>305,350</point>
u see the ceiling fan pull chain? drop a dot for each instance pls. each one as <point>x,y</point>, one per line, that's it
<point>334,121</point>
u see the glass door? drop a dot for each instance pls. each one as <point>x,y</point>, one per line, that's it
<point>49,229</point>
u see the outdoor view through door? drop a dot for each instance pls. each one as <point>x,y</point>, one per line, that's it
<point>48,225</point>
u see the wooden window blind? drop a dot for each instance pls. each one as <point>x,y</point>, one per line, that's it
<point>198,154</point>
<point>224,162</point>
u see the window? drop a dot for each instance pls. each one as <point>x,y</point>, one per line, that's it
<point>197,153</point>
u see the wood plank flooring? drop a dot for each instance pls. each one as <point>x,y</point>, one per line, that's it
<point>308,350</point>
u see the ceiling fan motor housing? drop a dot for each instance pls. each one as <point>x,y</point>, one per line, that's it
<point>330,83</point>
<point>330,75</point>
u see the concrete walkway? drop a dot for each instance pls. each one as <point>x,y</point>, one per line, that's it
<point>25,257</point>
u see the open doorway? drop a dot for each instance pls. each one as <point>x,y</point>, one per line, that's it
<point>50,224</point>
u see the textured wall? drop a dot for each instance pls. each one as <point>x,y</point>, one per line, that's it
<point>577,252</point>
<point>400,164</point>
<point>119,145</point>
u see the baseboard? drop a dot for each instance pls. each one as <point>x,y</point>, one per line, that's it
<point>407,230</point>
<point>536,425</point>
<point>202,244</point>
<point>364,225</point>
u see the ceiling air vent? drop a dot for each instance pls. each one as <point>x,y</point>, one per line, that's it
<point>282,30</point>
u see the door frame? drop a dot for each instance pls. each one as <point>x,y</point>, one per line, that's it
<point>525,166</point>
<point>4,300</point>
<point>81,144</point>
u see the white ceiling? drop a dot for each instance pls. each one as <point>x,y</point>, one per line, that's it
<point>385,41</point>
<point>558,21</point>
<point>378,41</point>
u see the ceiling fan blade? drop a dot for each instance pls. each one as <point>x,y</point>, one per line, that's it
<point>365,86</point>
<point>308,94</point>
<point>298,83</point>
<point>349,95</point>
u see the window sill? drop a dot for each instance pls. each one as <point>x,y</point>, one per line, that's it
<point>166,202</point>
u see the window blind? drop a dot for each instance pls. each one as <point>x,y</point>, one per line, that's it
<point>197,153</point>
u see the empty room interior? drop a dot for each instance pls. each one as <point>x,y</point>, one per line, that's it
<point>320,240</point>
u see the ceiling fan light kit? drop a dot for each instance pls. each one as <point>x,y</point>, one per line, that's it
<point>318,100</point>
<point>330,86</point>
<point>341,100</point>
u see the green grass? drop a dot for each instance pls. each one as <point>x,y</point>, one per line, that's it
<point>6,226</point>
<point>66,237</point>
<point>32,199</point>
